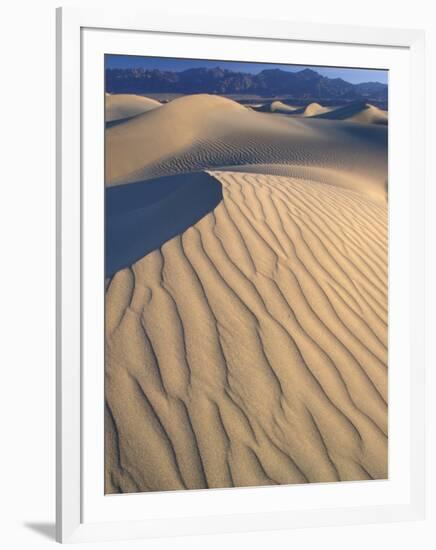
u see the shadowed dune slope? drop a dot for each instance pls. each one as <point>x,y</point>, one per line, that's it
<point>358,112</point>
<point>121,106</point>
<point>251,348</point>
<point>200,132</point>
<point>142,216</point>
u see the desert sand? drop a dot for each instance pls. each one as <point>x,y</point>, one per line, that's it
<point>357,112</point>
<point>251,347</point>
<point>197,132</point>
<point>315,109</point>
<point>277,107</point>
<point>122,106</point>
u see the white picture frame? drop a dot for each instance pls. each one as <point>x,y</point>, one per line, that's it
<point>75,253</point>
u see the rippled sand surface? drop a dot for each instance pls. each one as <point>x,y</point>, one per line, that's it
<point>251,348</point>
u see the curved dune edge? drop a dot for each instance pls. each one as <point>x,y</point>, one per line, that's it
<point>251,349</point>
<point>362,113</point>
<point>276,107</point>
<point>314,109</point>
<point>142,216</point>
<point>123,106</point>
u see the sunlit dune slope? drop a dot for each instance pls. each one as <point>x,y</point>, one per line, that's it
<point>198,132</point>
<point>251,348</point>
<point>314,109</point>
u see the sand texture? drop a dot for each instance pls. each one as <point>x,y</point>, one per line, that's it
<point>250,348</point>
<point>200,132</point>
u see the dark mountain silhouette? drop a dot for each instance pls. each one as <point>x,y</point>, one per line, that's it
<point>306,83</point>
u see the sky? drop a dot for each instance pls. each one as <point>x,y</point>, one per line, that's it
<point>352,75</point>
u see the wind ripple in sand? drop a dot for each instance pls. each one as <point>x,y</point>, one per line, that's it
<point>251,349</point>
<point>202,132</point>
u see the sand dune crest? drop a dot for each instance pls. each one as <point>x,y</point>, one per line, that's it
<point>277,107</point>
<point>121,106</point>
<point>314,109</point>
<point>362,113</point>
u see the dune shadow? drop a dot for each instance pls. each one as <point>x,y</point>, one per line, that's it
<point>346,111</point>
<point>141,217</point>
<point>376,134</point>
<point>111,123</point>
<point>117,122</point>
<point>48,530</point>
<point>267,108</point>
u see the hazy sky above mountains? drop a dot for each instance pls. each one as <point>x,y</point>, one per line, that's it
<point>352,75</point>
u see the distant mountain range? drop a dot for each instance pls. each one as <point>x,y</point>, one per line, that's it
<point>306,83</point>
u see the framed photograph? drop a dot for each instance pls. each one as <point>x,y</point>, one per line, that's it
<point>240,275</point>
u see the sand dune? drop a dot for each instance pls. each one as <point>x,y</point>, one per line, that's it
<point>251,349</point>
<point>358,112</point>
<point>315,109</point>
<point>277,107</point>
<point>202,132</point>
<point>121,106</point>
